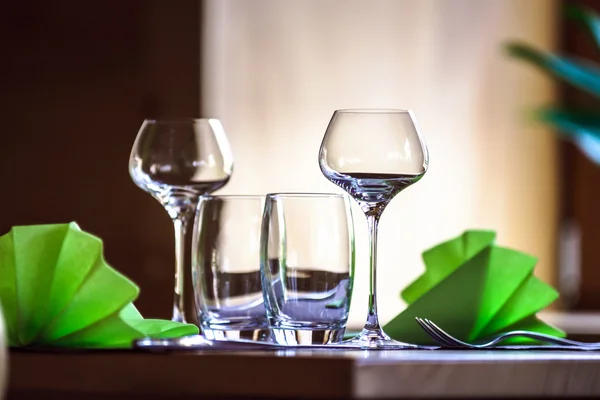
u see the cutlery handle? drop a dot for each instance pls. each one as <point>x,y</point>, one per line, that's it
<point>549,339</point>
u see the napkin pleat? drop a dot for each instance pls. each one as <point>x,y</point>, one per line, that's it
<point>441,260</point>
<point>473,288</point>
<point>111,331</point>
<point>505,271</point>
<point>453,309</point>
<point>8,287</point>
<point>91,303</point>
<point>531,297</point>
<point>121,328</point>
<point>34,280</point>
<point>56,289</point>
<point>80,253</point>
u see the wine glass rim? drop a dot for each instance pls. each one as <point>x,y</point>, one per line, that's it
<point>305,195</point>
<point>176,120</point>
<point>374,111</point>
<point>233,196</point>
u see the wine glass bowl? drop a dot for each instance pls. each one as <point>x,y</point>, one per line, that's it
<point>373,154</point>
<point>177,161</point>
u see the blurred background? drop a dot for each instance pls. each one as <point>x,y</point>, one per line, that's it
<point>80,77</point>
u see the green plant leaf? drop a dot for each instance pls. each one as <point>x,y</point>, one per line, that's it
<point>579,73</point>
<point>580,126</point>
<point>572,122</point>
<point>587,17</point>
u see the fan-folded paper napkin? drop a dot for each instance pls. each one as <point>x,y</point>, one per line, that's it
<point>473,289</point>
<point>57,290</point>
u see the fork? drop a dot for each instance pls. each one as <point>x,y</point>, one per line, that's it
<point>447,340</point>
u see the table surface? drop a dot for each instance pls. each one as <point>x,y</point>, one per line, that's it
<point>305,374</point>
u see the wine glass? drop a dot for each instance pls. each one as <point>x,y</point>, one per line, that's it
<point>177,161</point>
<point>373,155</point>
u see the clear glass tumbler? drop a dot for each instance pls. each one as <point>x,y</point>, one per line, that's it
<point>226,267</point>
<point>307,264</point>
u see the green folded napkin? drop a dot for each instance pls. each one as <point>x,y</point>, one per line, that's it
<point>57,290</point>
<point>473,288</point>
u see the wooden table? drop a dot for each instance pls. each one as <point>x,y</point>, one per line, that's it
<point>303,374</point>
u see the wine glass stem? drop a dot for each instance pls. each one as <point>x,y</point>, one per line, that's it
<point>372,318</point>
<point>180,224</point>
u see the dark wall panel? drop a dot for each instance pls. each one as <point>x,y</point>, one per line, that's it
<point>78,78</point>
<point>580,177</point>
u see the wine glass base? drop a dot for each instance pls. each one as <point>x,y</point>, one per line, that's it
<point>376,339</point>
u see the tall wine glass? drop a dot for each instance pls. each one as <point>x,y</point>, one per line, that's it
<point>373,155</point>
<point>177,161</point>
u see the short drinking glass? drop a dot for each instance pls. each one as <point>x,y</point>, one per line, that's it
<point>307,261</point>
<point>226,267</point>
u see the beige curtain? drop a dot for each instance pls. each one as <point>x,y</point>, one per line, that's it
<point>274,71</point>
